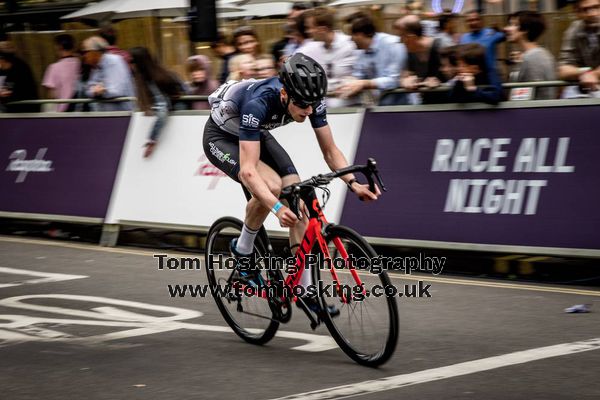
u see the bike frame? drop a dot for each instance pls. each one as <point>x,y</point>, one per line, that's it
<point>317,225</point>
<point>315,230</point>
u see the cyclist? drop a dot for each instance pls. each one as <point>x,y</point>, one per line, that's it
<point>237,141</point>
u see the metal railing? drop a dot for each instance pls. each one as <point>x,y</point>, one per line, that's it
<point>192,98</point>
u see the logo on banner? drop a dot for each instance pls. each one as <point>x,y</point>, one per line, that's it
<point>23,167</point>
<point>207,169</point>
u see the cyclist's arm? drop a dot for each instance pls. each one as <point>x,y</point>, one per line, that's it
<point>249,158</point>
<point>335,159</point>
<point>333,156</point>
<point>251,116</point>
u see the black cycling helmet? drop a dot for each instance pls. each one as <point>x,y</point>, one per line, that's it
<point>304,79</point>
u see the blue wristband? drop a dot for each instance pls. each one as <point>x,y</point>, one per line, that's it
<point>276,207</point>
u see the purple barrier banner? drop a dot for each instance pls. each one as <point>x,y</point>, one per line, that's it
<point>60,166</point>
<point>518,177</point>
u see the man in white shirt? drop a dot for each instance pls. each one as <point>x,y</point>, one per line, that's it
<point>300,40</point>
<point>335,51</point>
<point>110,77</point>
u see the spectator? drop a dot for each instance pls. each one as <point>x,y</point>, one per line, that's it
<point>242,66</point>
<point>380,59</point>
<point>335,51</point>
<point>16,81</point>
<point>580,51</point>
<point>62,76</point>
<point>488,38</point>
<point>265,66</point>
<point>200,83</point>
<point>447,34</point>
<point>110,76</point>
<point>537,63</point>
<point>297,9</point>
<point>278,49</point>
<point>109,34</point>
<point>156,89</point>
<point>81,87</point>
<point>472,73</point>
<point>431,27</point>
<point>223,48</point>
<point>423,67</point>
<point>246,41</point>
<point>300,41</point>
<point>448,64</point>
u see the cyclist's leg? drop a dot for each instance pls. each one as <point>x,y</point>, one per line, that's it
<point>222,150</point>
<point>256,213</point>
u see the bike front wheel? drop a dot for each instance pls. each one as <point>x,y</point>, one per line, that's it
<point>367,326</point>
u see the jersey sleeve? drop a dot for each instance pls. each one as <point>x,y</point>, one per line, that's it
<point>252,116</point>
<point>318,118</point>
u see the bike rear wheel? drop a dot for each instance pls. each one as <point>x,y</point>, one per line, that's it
<point>366,329</point>
<point>250,317</point>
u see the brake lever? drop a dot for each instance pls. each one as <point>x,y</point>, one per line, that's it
<point>370,171</point>
<point>383,188</point>
<point>293,201</point>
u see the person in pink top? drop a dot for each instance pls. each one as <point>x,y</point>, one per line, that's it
<point>61,77</point>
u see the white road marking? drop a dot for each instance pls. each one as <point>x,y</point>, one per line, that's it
<point>497,285</point>
<point>23,328</point>
<point>450,371</point>
<point>86,247</point>
<point>46,277</point>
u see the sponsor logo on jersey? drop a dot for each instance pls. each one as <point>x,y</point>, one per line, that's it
<point>223,157</point>
<point>320,108</point>
<point>271,125</point>
<point>250,121</point>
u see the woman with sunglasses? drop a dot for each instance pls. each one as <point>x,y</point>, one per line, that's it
<point>237,141</point>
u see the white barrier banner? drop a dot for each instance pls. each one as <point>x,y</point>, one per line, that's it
<point>178,185</point>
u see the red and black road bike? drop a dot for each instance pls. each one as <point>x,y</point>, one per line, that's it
<point>366,328</point>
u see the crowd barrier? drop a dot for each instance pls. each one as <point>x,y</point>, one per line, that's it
<point>515,177</point>
<point>178,187</point>
<point>59,167</point>
<point>521,176</point>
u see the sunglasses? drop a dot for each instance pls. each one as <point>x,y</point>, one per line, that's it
<point>304,105</point>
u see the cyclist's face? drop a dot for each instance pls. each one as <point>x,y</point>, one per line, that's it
<point>298,112</point>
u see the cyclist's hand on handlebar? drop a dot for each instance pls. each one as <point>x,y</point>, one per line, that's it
<point>364,194</point>
<point>286,217</point>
